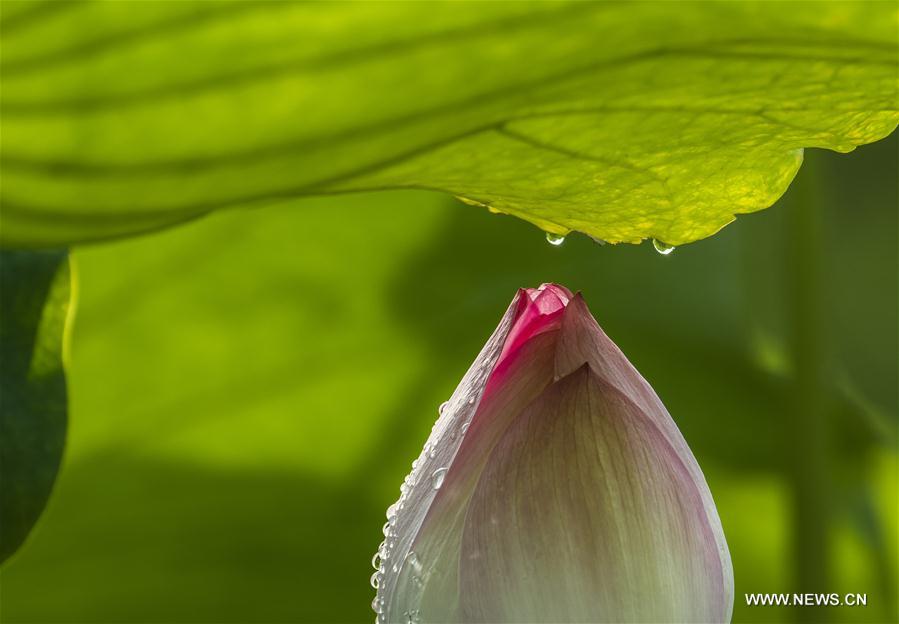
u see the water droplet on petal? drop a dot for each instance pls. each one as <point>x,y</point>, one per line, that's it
<point>376,605</point>
<point>442,407</point>
<point>376,558</point>
<point>554,239</point>
<point>413,617</point>
<point>437,478</point>
<point>391,512</point>
<point>376,579</point>
<point>464,429</point>
<point>413,564</point>
<point>662,248</point>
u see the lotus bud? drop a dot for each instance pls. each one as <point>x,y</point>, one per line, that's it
<point>554,487</point>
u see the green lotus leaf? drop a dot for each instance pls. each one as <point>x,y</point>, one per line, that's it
<point>33,310</point>
<point>619,120</point>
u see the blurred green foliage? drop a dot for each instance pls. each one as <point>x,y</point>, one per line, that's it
<point>247,392</point>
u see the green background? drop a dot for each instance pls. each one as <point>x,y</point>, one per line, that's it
<point>247,391</point>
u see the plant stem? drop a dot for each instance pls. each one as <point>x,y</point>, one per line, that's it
<point>810,433</point>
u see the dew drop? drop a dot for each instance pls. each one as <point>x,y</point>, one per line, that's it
<point>376,558</point>
<point>376,579</point>
<point>662,248</point>
<point>391,512</point>
<point>376,605</point>
<point>472,202</point>
<point>442,407</point>
<point>413,616</point>
<point>464,429</point>
<point>554,239</point>
<point>437,478</point>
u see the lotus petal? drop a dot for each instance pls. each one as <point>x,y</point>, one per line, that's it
<point>554,487</point>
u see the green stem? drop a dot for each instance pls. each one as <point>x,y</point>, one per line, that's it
<point>810,469</point>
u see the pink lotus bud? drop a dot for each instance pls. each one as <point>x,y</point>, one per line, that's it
<point>554,488</point>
